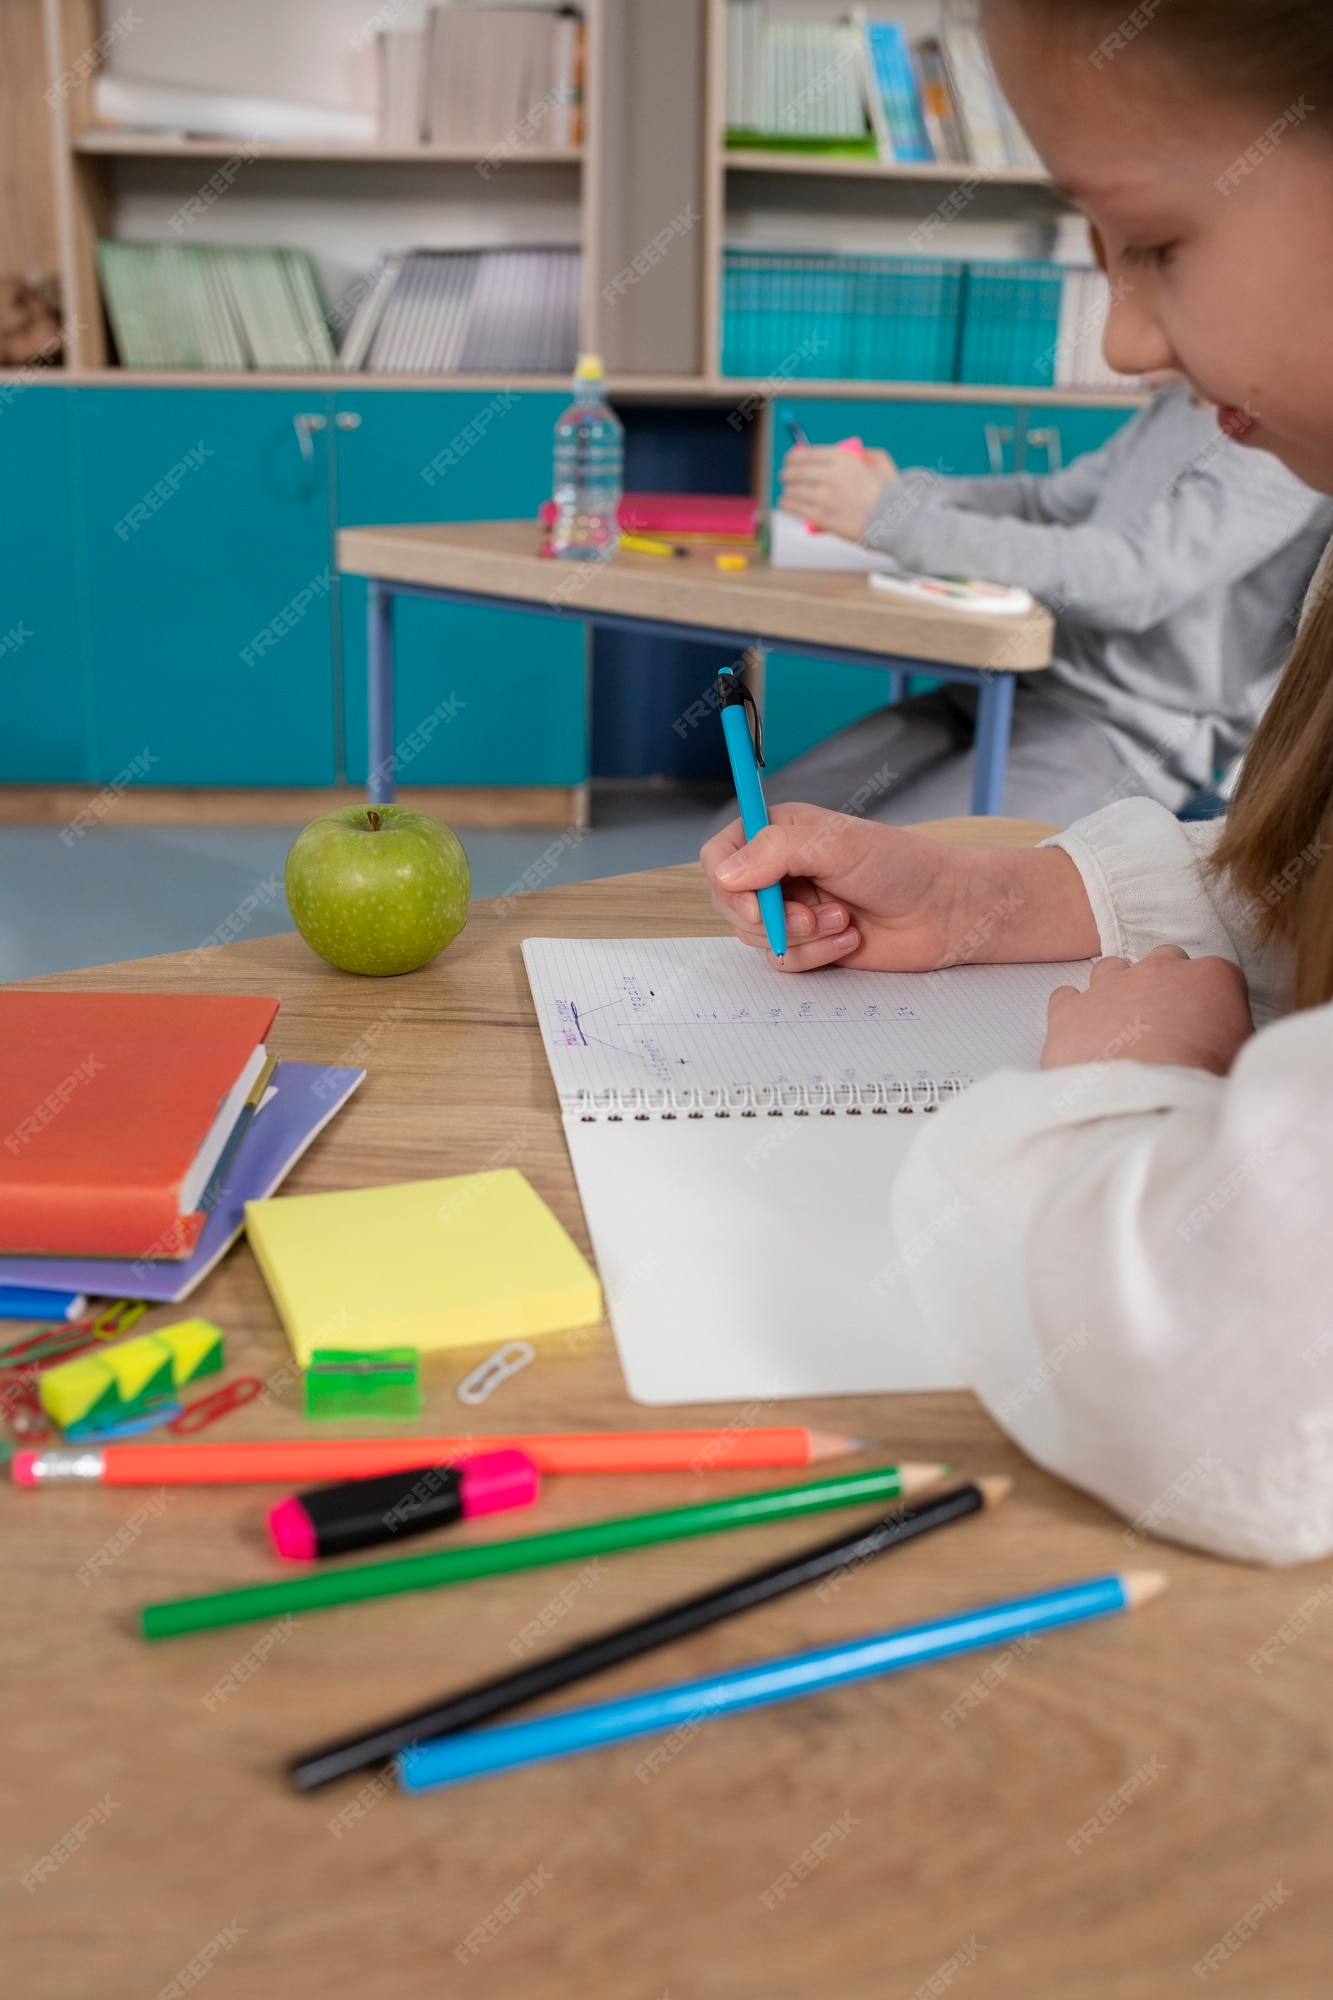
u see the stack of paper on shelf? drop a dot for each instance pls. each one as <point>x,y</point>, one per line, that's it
<point>402,86</point>
<point>446,312</point>
<point>119,1110</point>
<point>500,80</point>
<point>254,122</point>
<point>797,83</point>
<point>1084,304</point>
<point>178,305</point>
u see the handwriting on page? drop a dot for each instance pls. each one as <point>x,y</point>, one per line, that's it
<point>705,1013</point>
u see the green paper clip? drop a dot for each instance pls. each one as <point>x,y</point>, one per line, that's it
<point>363,1382</point>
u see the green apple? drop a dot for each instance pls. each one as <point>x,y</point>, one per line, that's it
<point>377,889</point>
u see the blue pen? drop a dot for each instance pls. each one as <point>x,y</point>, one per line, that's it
<point>747,756</point>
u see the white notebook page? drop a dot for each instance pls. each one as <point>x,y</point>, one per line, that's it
<point>752,1256</point>
<point>708,1014</point>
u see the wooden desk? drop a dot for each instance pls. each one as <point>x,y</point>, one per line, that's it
<point>827,615</point>
<point>938,1836</point>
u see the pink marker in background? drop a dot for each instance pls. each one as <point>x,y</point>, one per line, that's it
<point>365,1513</point>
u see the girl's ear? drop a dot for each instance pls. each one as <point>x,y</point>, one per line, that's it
<point>1098,247</point>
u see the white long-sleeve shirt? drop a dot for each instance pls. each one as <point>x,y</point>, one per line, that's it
<point>1140,1287</point>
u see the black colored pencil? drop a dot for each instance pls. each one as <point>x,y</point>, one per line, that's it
<point>642,1635</point>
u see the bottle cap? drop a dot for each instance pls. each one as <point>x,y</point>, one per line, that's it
<point>589,368</point>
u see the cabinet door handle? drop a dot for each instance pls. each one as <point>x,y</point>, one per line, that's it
<point>347,420</point>
<point>305,425</point>
<point>1047,438</point>
<point>997,437</point>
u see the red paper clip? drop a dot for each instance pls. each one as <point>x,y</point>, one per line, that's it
<point>232,1396</point>
<point>27,1418</point>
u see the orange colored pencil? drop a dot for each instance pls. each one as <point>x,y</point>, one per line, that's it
<point>305,1461</point>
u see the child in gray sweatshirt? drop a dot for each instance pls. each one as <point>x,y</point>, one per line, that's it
<point>1175,562</point>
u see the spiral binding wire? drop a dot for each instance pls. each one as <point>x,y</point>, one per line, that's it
<point>794,1100</point>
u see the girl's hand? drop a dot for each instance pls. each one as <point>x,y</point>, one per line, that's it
<point>834,489</point>
<point>1169,1008</point>
<point>889,900</point>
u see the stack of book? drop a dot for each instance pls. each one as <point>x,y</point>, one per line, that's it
<point>1084,301</point>
<point>489,78</point>
<point>1016,323</point>
<point>794,81</point>
<point>140,1124</point>
<point>863,87</point>
<point>844,318</point>
<point>1011,323</point>
<point>176,305</point>
<point>446,312</point>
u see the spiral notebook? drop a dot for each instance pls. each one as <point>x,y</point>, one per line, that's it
<point>736,1133</point>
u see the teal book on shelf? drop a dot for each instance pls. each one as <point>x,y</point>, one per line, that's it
<point>1011,323</point>
<point>905,319</point>
<point>840,318</point>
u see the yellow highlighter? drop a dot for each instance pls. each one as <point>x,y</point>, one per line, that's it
<point>644,545</point>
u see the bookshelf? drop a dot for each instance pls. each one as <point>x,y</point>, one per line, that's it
<point>654,148</point>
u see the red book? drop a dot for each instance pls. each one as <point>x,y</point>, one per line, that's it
<point>695,517</point>
<point>714,516</point>
<point>114,1108</point>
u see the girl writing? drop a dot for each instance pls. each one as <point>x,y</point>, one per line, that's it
<point>1140,1275</point>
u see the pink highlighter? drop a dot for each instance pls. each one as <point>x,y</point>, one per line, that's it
<point>857,449</point>
<point>365,1513</point>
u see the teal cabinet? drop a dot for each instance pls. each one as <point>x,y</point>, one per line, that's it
<point>955,439</point>
<point>169,606</point>
<point>43,697</point>
<point>1057,433</point>
<point>205,544</point>
<point>482,697</point>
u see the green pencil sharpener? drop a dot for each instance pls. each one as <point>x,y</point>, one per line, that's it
<point>363,1382</point>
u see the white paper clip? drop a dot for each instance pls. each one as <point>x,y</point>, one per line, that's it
<point>487,1376</point>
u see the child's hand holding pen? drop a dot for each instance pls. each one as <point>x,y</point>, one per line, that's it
<point>834,488</point>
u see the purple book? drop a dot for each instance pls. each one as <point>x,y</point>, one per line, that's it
<point>303,1097</point>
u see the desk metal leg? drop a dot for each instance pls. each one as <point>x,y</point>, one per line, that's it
<point>995,711</point>
<point>379,688</point>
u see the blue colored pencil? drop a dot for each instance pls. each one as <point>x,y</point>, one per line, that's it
<point>480,1752</point>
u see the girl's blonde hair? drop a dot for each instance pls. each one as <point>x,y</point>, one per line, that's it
<point>1277,842</point>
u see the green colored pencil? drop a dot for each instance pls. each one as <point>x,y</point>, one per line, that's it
<point>174,1615</point>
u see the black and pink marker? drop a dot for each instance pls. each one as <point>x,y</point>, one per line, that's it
<point>365,1513</point>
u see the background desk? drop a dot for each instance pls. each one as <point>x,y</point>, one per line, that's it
<point>824,615</point>
<point>650,1888</point>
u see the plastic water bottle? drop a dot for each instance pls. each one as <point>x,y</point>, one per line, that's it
<point>589,458</point>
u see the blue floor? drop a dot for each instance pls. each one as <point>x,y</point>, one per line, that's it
<point>133,891</point>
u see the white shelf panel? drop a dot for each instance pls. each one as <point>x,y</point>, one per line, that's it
<point>935,171</point>
<point>168,146</point>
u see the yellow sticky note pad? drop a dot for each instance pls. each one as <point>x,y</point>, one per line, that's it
<point>427,1264</point>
